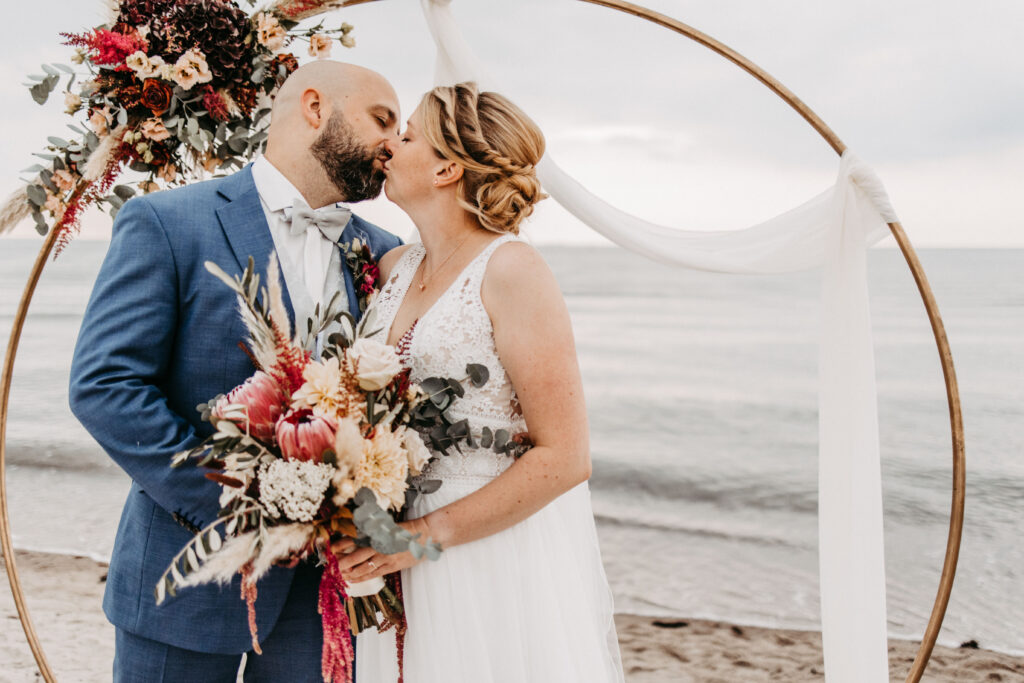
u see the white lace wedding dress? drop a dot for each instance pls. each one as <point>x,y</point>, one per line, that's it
<point>530,604</point>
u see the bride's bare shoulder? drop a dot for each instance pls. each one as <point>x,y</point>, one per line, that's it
<point>517,270</point>
<point>387,261</point>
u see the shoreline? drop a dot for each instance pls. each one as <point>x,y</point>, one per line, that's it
<point>64,593</point>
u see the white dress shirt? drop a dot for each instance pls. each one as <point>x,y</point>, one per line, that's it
<point>305,288</point>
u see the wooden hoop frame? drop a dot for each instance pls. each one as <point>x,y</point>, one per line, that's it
<point>956,517</point>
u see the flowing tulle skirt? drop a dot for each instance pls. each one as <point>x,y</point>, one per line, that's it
<point>530,604</point>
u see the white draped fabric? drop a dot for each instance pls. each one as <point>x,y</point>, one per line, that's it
<point>831,231</point>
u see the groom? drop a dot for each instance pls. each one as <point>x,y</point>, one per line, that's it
<point>160,336</point>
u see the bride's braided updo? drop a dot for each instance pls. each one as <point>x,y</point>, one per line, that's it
<point>498,147</point>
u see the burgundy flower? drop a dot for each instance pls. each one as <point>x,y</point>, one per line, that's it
<point>264,404</point>
<point>156,95</point>
<point>304,436</point>
<point>161,155</point>
<point>214,104</point>
<point>245,97</point>
<point>130,95</point>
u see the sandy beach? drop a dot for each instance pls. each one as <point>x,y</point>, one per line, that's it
<point>64,595</point>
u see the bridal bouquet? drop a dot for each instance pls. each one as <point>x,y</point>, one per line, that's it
<point>171,89</point>
<point>308,451</point>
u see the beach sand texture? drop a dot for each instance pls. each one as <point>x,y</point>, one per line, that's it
<point>64,595</point>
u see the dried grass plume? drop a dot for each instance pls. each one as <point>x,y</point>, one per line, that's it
<point>15,210</point>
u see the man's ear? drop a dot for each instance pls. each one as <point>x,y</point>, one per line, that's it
<point>447,173</point>
<point>312,105</point>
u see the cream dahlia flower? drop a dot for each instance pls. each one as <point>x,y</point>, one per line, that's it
<point>323,391</point>
<point>383,469</point>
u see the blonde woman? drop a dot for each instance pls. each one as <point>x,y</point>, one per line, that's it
<point>519,593</point>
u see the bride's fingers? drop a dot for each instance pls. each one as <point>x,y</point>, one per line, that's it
<point>345,545</point>
<point>364,571</point>
<point>349,560</point>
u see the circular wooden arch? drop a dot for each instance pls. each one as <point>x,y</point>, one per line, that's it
<point>956,517</point>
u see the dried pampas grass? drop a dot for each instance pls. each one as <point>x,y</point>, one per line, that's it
<point>297,10</point>
<point>15,210</point>
<point>101,158</point>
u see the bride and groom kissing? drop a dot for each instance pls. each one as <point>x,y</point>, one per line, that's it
<point>519,593</point>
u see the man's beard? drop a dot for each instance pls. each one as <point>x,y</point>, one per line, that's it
<point>348,164</point>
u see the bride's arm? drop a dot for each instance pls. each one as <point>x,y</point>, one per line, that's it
<point>534,340</point>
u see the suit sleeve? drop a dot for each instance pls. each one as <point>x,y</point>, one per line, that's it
<point>121,358</point>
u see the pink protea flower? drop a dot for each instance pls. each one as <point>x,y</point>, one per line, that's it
<point>263,405</point>
<point>304,436</point>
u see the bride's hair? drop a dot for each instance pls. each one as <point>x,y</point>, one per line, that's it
<point>498,147</point>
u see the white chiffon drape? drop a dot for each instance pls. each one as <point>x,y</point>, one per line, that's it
<point>831,231</point>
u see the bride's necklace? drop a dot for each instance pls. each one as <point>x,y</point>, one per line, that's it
<point>424,279</point>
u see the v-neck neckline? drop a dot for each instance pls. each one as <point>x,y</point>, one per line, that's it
<point>435,302</point>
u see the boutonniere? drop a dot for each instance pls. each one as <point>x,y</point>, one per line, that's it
<point>365,273</point>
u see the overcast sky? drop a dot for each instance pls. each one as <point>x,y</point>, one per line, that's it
<point>929,93</point>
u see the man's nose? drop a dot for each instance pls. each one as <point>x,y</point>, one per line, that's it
<point>390,143</point>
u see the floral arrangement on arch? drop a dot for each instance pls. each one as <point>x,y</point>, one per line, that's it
<point>171,89</point>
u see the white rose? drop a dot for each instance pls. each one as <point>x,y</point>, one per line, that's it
<point>375,364</point>
<point>417,451</point>
<point>137,62</point>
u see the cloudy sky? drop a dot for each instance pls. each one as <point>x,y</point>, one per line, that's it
<point>929,93</point>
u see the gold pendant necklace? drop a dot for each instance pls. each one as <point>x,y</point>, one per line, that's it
<point>425,279</point>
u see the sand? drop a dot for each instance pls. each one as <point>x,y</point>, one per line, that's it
<point>64,595</point>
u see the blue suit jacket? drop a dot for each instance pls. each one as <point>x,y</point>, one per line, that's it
<point>159,337</point>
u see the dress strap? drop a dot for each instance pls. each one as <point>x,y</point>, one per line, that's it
<point>475,271</point>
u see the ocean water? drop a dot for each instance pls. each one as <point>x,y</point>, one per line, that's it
<point>702,396</point>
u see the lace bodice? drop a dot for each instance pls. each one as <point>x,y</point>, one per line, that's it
<point>453,333</point>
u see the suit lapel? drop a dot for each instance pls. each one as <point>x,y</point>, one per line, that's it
<point>351,232</point>
<point>245,226</point>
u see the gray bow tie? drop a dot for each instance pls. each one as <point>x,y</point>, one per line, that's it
<point>330,220</point>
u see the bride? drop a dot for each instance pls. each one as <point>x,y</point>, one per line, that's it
<point>519,594</point>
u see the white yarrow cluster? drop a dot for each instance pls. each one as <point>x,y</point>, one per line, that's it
<point>294,488</point>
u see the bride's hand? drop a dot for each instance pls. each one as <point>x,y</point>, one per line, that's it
<point>363,564</point>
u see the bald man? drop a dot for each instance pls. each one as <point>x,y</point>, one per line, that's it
<point>160,336</point>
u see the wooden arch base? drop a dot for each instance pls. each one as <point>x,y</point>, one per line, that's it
<point>956,517</point>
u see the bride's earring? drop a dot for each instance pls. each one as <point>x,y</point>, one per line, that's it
<point>435,181</point>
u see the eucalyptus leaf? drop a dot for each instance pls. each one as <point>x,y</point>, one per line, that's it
<point>478,374</point>
<point>57,142</point>
<point>429,485</point>
<point>122,117</point>
<point>455,387</point>
<point>50,70</point>
<point>36,194</point>
<point>124,192</point>
<point>459,430</point>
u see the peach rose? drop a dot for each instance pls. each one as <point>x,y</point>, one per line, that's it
<point>269,32</point>
<point>155,130</point>
<point>319,46</point>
